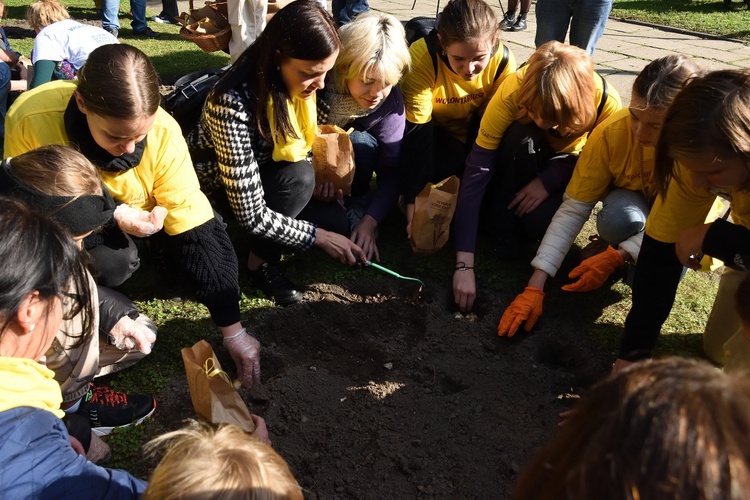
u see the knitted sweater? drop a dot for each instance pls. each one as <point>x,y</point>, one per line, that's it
<point>227,149</point>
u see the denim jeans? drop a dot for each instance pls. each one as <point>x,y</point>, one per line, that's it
<point>111,8</point>
<point>586,18</point>
<point>623,215</point>
<point>345,11</point>
<point>4,91</point>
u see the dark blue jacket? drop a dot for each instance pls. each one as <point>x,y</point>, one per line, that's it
<point>38,462</point>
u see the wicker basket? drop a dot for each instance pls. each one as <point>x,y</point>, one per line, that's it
<point>207,27</point>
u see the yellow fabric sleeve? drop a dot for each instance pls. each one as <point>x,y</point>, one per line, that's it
<point>612,157</point>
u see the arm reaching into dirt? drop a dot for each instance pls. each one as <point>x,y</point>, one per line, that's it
<point>464,282</point>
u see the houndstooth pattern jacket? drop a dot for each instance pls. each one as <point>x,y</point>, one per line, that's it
<point>227,148</point>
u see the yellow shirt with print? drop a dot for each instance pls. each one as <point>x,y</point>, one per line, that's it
<point>164,177</point>
<point>612,157</point>
<point>446,97</point>
<point>502,110</point>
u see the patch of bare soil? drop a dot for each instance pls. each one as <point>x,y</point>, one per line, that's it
<point>369,393</point>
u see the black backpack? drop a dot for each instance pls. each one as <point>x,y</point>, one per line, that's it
<point>426,27</point>
<point>186,101</point>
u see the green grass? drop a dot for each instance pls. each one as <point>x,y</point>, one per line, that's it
<point>704,16</point>
<point>172,55</point>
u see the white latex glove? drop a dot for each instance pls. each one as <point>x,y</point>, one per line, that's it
<point>139,222</point>
<point>245,351</point>
<point>128,334</point>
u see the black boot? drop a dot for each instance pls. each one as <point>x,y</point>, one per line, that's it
<point>269,279</point>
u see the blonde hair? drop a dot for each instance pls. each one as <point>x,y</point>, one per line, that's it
<point>42,13</point>
<point>559,86</point>
<point>57,171</point>
<point>374,46</point>
<point>213,463</point>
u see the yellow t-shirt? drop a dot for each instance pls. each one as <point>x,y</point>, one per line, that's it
<point>164,177</point>
<point>304,118</point>
<point>446,97</point>
<point>503,108</point>
<point>686,206</point>
<point>612,157</point>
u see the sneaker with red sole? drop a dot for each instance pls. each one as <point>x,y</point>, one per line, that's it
<point>107,409</point>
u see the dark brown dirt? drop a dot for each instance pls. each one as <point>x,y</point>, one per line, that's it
<point>370,394</point>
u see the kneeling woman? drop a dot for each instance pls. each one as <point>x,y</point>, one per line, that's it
<point>528,144</point>
<point>363,96</point>
<point>39,461</point>
<point>255,137</point>
<point>455,71</point>
<point>143,161</point>
<point>615,167</point>
<point>703,151</point>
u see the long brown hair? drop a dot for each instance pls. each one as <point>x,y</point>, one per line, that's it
<point>667,429</point>
<point>710,115</point>
<point>301,30</point>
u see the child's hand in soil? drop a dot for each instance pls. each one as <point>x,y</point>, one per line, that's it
<point>464,290</point>
<point>261,431</point>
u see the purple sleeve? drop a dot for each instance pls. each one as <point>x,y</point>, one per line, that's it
<point>389,132</point>
<point>479,165</point>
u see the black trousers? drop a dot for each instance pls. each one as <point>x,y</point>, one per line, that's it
<point>522,155</point>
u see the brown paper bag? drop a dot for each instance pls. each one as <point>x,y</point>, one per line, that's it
<point>214,398</point>
<point>333,157</point>
<point>433,211</point>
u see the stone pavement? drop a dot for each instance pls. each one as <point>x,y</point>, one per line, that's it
<point>620,55</point>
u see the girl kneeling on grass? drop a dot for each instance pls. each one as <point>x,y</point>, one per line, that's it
<point>362,95</point>
<point>616,167</point>
<point>703,151</point>
<point>36,452</point>
<point>455,71</point>
<point>62,183</point>
<point>112,115</point>
<point>528,144</point>
<point>252,146</point>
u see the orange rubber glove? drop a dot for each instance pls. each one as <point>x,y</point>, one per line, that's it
<point>594,271</point>
<point>526,307</point>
